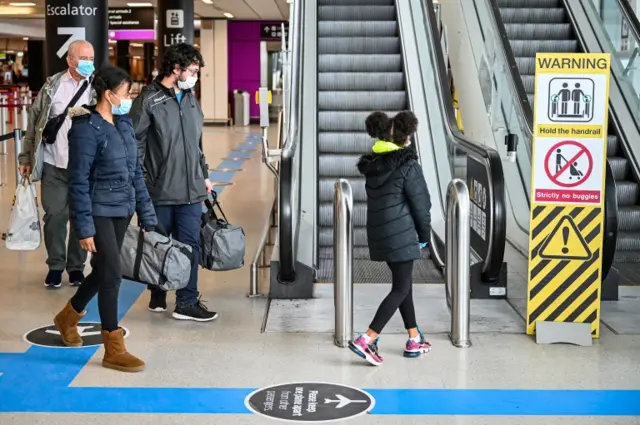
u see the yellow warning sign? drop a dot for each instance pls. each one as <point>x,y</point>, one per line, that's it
<point>567,189</point>
<point>565,242</point>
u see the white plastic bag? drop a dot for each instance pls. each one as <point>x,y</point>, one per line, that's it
<point>24,232</point>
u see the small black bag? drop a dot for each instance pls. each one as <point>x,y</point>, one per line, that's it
<point>52,127</point>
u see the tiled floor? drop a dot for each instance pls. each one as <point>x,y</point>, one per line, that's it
<point>54,386</point>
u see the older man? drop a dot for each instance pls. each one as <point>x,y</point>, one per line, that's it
<point>48,161</point>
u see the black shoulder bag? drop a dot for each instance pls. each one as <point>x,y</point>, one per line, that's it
<point>52,127</point>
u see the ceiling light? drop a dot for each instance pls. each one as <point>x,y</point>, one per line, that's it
<point>25,38</point>
<point>207,1</point>
<point>22,4</point>
<point>139,4</point>
<point>136,45</point>
<point>228,15</point>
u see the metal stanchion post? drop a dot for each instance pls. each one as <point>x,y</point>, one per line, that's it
<point>343,262</point>
<point>3,124</point>
<point>17,135</point>
<point>457,284</point>
<point>23,112</point>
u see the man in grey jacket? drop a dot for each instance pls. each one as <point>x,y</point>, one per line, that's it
<point>168,122</point>
<point>48,162</point>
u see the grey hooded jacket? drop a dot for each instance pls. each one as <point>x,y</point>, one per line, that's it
<point>170,145</point>
<point>32,152</point>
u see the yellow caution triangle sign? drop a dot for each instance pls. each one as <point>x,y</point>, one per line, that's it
<point>565,242</point>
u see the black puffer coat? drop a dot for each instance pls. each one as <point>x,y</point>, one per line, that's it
<point>398,205</point>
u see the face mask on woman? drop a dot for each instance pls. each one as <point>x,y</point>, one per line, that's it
<point>123,109</point>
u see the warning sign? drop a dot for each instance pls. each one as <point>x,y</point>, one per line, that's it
<point>570,172</point>
<point>565,242</point>
<point>567,209</point>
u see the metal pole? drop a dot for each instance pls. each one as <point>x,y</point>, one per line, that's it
<point>458,285</point>
<point>17,135</point>
<point>16,109</point>
<point>24,113</point>
<point>259,258</point>
<point>3,124</point>
<point>343,262</point>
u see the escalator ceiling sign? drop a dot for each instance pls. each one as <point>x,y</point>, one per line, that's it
<point>567,192</point>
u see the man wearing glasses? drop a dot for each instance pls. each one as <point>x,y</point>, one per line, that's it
<point>46,159</point>
<point>168,122</point>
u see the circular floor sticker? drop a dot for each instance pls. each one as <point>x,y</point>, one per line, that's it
<point>48,336</point>
<point>309,402</point>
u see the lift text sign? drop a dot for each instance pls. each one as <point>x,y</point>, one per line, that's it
<point>567,209</point>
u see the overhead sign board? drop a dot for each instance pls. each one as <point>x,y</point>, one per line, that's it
<point>131,18</point>
<point>273,32</point>
<point>568,189</point>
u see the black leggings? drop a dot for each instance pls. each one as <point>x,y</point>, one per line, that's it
<point>106,274</point>
<point>400,297</point>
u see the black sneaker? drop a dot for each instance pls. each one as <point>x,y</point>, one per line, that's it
<point>53,279</point>
<point>197,312</point>
<point>158,301</point>
<point>76,278</point>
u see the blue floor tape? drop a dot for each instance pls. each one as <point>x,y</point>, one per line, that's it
<point>39,380</point>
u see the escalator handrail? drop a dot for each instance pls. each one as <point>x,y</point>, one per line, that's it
<point>525,110</point>
<point>490,157</point>
<point>287,210</point>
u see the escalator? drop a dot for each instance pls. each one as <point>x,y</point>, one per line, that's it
<point>533,26</point>
<point>375,55</point>
<point>360,70</point>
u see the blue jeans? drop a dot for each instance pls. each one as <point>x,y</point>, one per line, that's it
<point>182,223</point>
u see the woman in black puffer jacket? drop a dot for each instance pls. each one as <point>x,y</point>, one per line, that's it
<point>398,224</point>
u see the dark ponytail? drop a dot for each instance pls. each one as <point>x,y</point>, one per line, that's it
<point>110,78</point>
<point>378,125</point>
<point>405,125</point>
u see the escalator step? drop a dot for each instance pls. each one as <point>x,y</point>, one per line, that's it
<point>530,98</point>
<point>361,81</point>
<point>533,15</point>
<point>530,3</point>
<point>627,241</point>
<point>526,65</point>
<point>356,2</point>
<point>531,47</point>
<point>629,218</point>
<point>360,63</point>
<point>349,45</point>
<point>356,13</point>
<point>357,29</point>
<point>335,165</point>
<point>358,253</point>
<point>539,31</point>
<point>612,145</point>
<point>627,192</point>
<point>356,142</point>
<point>361,100</point>
<point>367,271</point>
<point>326,189</point>
<point>620,167</point>
<point>343,121</point>
<point>325,236</point>
<point>358,214</point>
<point>529,83</point>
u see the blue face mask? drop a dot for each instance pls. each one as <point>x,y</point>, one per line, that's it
<point>85,68</point>
<point>123,109</point>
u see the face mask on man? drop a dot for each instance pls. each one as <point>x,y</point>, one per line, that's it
<point>189,83</point>
<point>85,68</point>
<point>154,74</point>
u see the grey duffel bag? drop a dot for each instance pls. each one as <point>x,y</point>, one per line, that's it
<point>222,244</point>
<point>155,259</point>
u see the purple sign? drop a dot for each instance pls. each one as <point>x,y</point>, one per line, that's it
<point>132,35</point>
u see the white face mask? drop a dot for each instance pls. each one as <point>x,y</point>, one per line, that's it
<point>189,83</point>
<point>154,74</point>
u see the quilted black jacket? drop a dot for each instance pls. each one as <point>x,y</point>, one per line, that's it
<point>398,205</point>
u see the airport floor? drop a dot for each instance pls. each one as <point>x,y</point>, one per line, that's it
<point>207,373</point>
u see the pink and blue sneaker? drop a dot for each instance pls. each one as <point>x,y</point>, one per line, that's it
<point>369,352</point>
<point>415,348</point>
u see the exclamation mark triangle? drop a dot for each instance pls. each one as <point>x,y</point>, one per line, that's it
<point>565,242</point>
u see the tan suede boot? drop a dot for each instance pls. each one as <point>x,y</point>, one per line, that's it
<point>67,324</point>
<point>116,355</point>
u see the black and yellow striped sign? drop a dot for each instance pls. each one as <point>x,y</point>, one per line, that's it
<point>564,268</point>
<point>567,192</point>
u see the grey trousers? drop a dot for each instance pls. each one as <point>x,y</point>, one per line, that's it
<point>55,202</point>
